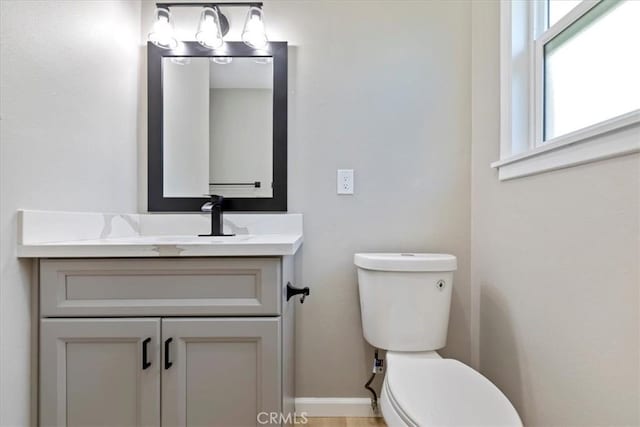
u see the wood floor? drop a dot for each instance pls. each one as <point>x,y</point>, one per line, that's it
<point>346,422</point>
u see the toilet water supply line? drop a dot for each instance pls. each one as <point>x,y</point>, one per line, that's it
<point>378,366</point>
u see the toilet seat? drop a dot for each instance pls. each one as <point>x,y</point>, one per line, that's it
<point>422,390</point>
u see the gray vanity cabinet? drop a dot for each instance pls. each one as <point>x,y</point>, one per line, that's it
<point>215,347</point>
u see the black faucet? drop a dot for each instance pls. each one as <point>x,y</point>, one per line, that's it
<point>215,207</point>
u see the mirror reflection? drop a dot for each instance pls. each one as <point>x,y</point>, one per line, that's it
<point>217,126</point>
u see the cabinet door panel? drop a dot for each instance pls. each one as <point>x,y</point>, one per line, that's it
<point>92,372</point>
<point>223,373</point>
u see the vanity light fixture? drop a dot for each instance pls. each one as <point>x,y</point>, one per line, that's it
<point>212,27</point>
<point>254,34</point>
<point>209,33</point>
<point>162,33</point>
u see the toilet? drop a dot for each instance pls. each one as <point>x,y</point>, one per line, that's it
<point>405,300</point>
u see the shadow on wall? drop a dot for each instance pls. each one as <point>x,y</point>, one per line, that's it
<point>142,131</point>
<point>459,327</point>
<point>499,358</point>
<point>368,355</point>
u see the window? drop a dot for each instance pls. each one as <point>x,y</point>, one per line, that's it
<point>570,76</point>
<point>556,9</point>
<point>591,69</point>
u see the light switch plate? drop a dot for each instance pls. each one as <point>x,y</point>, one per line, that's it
<point>345,181</point>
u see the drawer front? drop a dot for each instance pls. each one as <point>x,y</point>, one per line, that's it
<point>160,287</point>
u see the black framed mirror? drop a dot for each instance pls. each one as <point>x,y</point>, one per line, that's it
<point>217,124</point>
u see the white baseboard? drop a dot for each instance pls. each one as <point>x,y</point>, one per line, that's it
<point>335,406</point>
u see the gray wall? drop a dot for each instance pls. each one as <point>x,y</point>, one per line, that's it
<point>382,88</point>
<point>69,82</point>
<point>554,271</point>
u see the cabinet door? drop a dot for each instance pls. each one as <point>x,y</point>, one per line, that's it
<point>220,372</point>
<point>93,372</point>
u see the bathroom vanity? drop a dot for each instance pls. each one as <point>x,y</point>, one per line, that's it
<point>141,320</point>
<point>163,329</point>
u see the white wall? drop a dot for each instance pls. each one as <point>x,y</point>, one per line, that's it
<point>383,88</point>
<point>69,82</point>
<point>554,271</point>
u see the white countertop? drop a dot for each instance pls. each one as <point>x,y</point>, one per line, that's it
<point>94,235</point>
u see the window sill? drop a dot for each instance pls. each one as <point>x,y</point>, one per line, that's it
<point>613,138</point>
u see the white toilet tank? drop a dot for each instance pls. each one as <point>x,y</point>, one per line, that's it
<point>405,299</point>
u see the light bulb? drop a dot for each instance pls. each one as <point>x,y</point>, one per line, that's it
<point>162,34</point>
<point>254,34</point>
<point>209,33</point>
<point>181,60</point>
<point>222,60</point>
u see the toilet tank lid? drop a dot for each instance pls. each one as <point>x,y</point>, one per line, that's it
<point>405,262</point>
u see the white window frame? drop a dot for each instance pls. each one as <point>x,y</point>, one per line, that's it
<point>523,152</point>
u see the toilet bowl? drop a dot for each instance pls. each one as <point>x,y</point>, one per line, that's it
<point>404,301</point>
<point>422,389</point>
